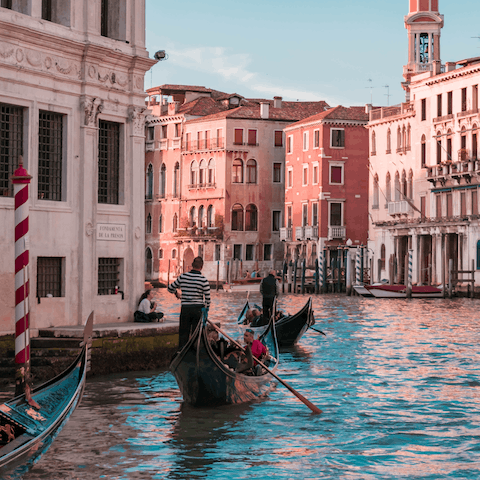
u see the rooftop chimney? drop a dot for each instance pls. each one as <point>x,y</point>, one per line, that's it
<point>173,108</point>
<point>449,66</point>
<point>277,102</point>
<point>264,107</point>
<point>368,108</point>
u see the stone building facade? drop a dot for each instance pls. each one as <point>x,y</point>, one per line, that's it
<point>72,105</point>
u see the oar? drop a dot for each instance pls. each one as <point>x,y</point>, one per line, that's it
<point>309,404</point>
<point>318,331</point>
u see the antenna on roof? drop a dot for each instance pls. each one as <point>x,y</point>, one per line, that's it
<point>387,94</point>
<point>371,91</point>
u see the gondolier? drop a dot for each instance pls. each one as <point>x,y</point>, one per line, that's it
<point>269,288</point>
<point>195,294</point>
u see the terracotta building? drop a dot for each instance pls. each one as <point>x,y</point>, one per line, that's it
<point>72,101</point>
<point>424,162</point>
<point>215,180</point>
<point>326,185</point>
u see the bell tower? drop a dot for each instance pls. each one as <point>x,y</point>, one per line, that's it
<point>423,24</point>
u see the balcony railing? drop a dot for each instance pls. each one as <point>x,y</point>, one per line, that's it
<point>299,233</point>
<point>311,233</point>
<point>195,145</point>
<point>400,208</point>
<point>336,232</point>
<point>286,234</point>
<point>164,144</point>
<point>464,169</point>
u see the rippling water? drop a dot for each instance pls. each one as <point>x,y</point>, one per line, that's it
<point>398,383</point>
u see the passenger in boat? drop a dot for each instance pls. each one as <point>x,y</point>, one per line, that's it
<point>146,311</point>
<point>247,275</point>
<point>248,317</point>
<point>218,344</point>
<point>270,289</point>
<point>257,348</point>
<point>195,295</point>
<point>259,319</point>
<point>255,273</point>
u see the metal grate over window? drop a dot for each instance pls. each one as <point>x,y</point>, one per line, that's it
<point>108,162</point>
<point>49,276</point>
<point>108,275</point>
<point>50,139</point>
<point>11,145</point>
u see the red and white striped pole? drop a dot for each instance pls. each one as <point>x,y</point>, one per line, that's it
<point>21,180</point>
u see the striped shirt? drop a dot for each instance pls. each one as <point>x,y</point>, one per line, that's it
<point>194,286</point>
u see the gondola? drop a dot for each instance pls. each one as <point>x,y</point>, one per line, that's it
<point>289,328</point>
<point>26,432</point>
<point>205,380</point>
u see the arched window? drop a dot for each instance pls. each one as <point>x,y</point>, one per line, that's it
<point>175,223</point>
<point>149,186</point>
<point>462,154</point>
<point>211,172</point>
<point>174,253</point>
<point>375,192</point>
<point>396,186</point>
<point>439,147</point>
<point>382,256</point>
<point>163,177</point>
<point>160,253</point>
<point>389,141</point>
<point>409,137</point>
<point>237,171</point>
<point>374,143</point>
<point>404,138</point>
<point>193,173</point>
<point>399,139</point>
<point>449,145</point>
<point>410,184</point>
<point>176,180</point>
<point>160,224</point>
<point>388,187</point>
<point>404,185</point>
<point>148,262</point>
<point>201,216</point>
<point>251,171</point>
<point>474,141</point>
<point>202,176</point>
<point>148,226</point>
<point>423,152</point>
<point>251,218</point>
<point>237,218</point>
<point>478,255</point>
<point>193,217</point>
<point>210,216</point>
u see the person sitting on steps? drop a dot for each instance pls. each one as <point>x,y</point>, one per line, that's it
<point>146,309</point>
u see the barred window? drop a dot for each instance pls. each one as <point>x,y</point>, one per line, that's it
<point>50,148</point>
<point>108,162</point>
<point>108,275</point>
<point>11,145</point>
<point>50,276</point>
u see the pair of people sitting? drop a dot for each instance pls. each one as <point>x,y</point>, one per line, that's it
<point>147,310</point>
<point>255,318</point>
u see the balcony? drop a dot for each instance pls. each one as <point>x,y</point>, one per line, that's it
<point>150,146</point>
<point>200,234</point>
<point>164,144</point>
<point>208,144</point>
<point>311,233</point>
<point>299,233</point>
<point>336,232</point>
<point>285,234</point>
<point>400,208</point>
<point>462,170</point>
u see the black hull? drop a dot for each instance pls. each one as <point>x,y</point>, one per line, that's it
<point>204,380</point>
<point>291,329</point>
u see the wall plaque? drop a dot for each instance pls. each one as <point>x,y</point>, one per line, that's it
<point>110,231</point>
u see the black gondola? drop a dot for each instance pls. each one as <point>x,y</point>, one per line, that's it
<point>289,328</point>
<point>205,380</point>
<point>26,432</point>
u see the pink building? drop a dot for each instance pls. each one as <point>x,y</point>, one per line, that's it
<point>219,160</point>
<point>326,190</point>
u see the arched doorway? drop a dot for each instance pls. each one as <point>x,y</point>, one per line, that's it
<point>188,257</point>
<point>148,263</point>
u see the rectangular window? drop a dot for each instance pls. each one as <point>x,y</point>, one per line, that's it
<point>439,105</point>
<point>449,103</point>
<point>217,252</point>
<point>338,138</point>
<point>200,250</point>
<point>108,275</point>
<point>238,138</point>
<point>464,99</point>
<point>267,252</point>
<point>316,138</point>
<point>177,129</point>
<point>474,146</point>
<point>50,275</point>
<point>305,175</point>
<point>199,140</point>
<point>276,220</point>
<point>207,139</point>
<point>449,205</point>
<point>249,252</point>
<point>188,141</point>
<point>11,145</point>
<point>424,109</point>
<point>219,138</point>
<point>290,144</point>
<point>50,153</point>
<point>438,206</point>
<point>237,252</point>
<point>305,140</point>
<point>335,214</point>
<point>164,131</point>
<point>315,174</point>
<point>336,174</point>
<point>474,202</point>
<point>439,151</point>
<point>150,134</point>
<point>304,214</point>
<point>475,98</point>
<point>277,172</point>
<point>108,162</point>
<point>112,18</point>
<point>289,178</point>
<point>314,214</point>
<point>47,10</point>
<point>252,137</point>
<point>289,217</point>
<point>423,154</point>
<point>6,4</point>
<point>423,206</point>
<point>278,138</point>
<point>463,204</point>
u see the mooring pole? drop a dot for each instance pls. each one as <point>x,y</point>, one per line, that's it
<point>409,280</point>
<point>21,180</point>
<point>317,275</point>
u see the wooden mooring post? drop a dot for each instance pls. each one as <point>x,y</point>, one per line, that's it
<point>453,278</point>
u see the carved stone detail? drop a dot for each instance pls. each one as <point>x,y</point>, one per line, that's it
<point>34,58</point>
<point>138,232</point>
<point>48,62</point>
<point>19,55</point>
<point>137,117</point>
<point>92,107</point>
<point>7,53</point>
<point>89,229</point>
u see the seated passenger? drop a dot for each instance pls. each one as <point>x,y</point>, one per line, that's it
<point>248,317</point>
<point>259,319</point>
<point>218,344</point>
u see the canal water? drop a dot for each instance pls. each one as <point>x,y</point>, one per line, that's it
<point>398,382</point>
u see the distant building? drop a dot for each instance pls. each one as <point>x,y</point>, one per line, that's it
<point>72,103</point>
<point>215,180</point>
<point>326,185</point>
<point>424,163</point>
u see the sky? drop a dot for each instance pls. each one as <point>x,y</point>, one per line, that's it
<point>346,52</point>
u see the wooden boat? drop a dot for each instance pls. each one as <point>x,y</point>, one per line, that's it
<point>204,380</point>
<point>400,291</point>
<point>243,285</point>
<point>290,328</point>
<point>26,432</point>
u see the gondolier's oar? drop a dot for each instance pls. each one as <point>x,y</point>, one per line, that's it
<point>319,331</point>
<point>309,404</point>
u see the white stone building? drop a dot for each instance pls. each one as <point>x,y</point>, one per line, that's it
<point>72,103</point>
<point>424,163</point>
